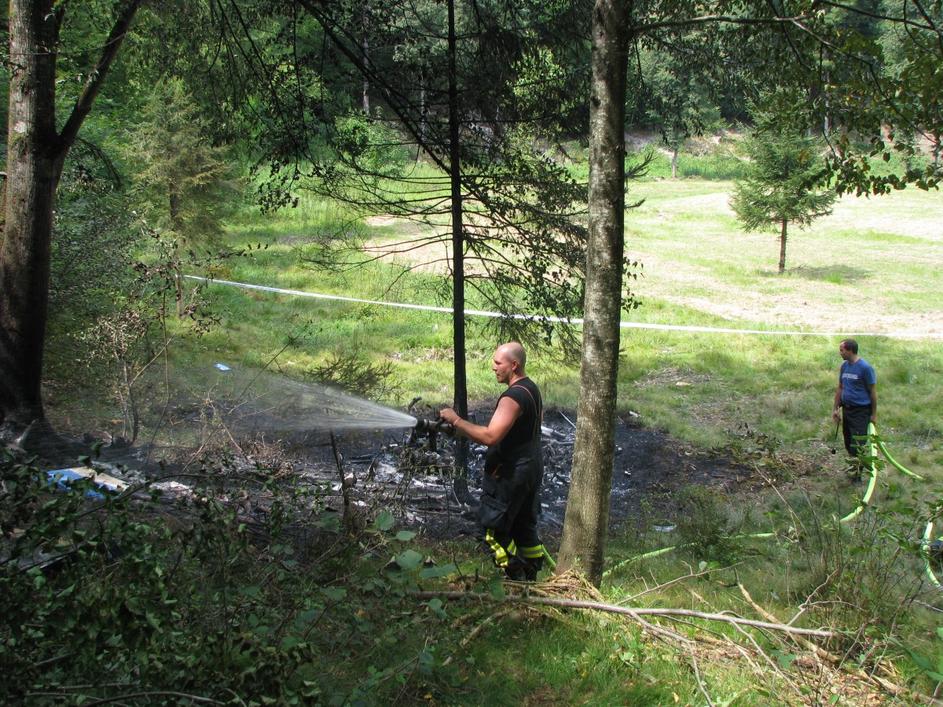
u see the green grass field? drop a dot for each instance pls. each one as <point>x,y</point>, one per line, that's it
<point>869,269</point>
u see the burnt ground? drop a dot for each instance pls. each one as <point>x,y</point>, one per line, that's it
<point>650,467</point>
<point>413,478</point>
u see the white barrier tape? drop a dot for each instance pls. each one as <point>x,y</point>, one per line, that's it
<point>562,320</point>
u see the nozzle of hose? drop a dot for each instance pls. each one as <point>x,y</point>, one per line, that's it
<point>430,429</point>
<point>434,426</point>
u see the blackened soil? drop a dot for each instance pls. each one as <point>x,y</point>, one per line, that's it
<point>366,471</point>
<point>649,469</point>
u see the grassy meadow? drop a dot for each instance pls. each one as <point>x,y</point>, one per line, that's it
<point>871,269</point>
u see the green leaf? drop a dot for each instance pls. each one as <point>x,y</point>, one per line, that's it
<point>496,587</point>
<point>334,593</point>
<point>435,572</point>
<point>289,642</point>
<point>437,607</point>
<point>385,521</point>
<point>306,617</point>
<point>405,535</point>
<point>152,619</point>
<point>409,560</point>
<point>328,521</point>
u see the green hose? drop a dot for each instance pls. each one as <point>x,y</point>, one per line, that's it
<point>549,559</point>
<point>639,558</point>
<point>866,499</point>
<point>873,446</point>
<point>928,532</point>
<point>666,550</point>
<point>897,464</point>
<point>928,569</point>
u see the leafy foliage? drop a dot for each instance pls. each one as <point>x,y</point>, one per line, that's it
<point>183,182</point>
<point>136,593</point>
<point>705,526</point>
<point>358,375</point>
<point>782,187</point>
<point>92,252</point>
<point>522,236</point>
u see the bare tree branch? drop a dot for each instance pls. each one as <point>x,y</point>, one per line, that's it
<point>633,612</point>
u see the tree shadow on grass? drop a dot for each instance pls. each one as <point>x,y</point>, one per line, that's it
<point>835,274</point>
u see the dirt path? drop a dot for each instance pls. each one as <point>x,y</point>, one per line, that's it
<point>706,263</point>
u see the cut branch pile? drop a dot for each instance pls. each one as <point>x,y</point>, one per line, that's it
<point>812,675</point>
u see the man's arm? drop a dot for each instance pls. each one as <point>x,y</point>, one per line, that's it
<point>873,392</point>
<point>501,422</point>
<point>836,406</point>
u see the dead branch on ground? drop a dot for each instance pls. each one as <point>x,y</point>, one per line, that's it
<point>838,661</point>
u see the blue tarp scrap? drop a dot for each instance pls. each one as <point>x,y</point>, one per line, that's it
<point>63,479</point>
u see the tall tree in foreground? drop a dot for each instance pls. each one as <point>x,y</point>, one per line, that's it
<point>36,152</point>
<point>786,183</point>
<point>586,523</point>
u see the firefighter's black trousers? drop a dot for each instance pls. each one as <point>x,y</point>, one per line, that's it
<point>510,506</point>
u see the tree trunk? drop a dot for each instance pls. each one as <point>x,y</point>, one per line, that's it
<point>423,110</point>
<point>35,156</point>
<point>33,167</point>
<point>674,162</point>
<point>586,522</point>
<point>365,47</point>
<point>782,247</point>
<point>460,483</point>
<point>177,225</point>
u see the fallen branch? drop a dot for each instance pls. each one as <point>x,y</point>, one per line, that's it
<point>569,582</point>
<point>635,613</point>
<point>838,661</point>
<point>690,575</point>
<point>475,631</point>
<point>178,696</point>
<point>700,682</point>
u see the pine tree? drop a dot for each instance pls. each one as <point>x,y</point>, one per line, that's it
<point>785,182</point>
<point>183,181</point>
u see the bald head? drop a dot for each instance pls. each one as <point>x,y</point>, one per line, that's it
<point>508,363</point>
<point>515,352</point>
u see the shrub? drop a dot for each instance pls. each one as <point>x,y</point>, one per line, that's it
<point>704,525</point>
<point>111,596</point>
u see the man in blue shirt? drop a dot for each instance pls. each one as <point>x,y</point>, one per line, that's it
<point>856,396</point>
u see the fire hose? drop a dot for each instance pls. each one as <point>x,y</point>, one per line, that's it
<point>874,444</point>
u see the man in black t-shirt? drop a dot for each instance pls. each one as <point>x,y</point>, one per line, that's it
<point>510,498</point>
